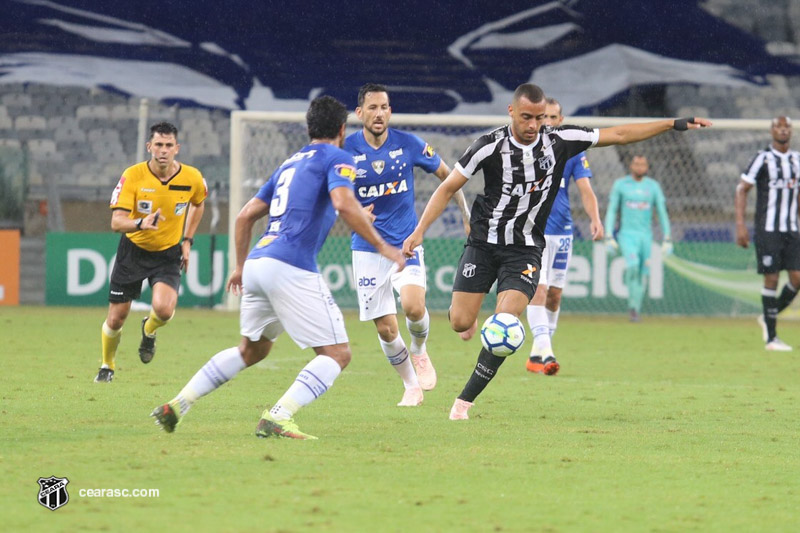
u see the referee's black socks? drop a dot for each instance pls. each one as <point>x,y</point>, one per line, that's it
<point>485,370</point>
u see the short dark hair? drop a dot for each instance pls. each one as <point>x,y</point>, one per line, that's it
<point>532,92</point>
<point>164,128</point>
<point>553,101</point>
<point>325,117</point>
<point>370,88</point>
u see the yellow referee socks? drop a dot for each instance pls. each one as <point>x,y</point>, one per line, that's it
<point>109,340</point>
<point>153,323</point>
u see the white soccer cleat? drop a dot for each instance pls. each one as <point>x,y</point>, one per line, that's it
<point>460,409</point>
<point>426,374</point>
<point>763,325</point>
<point>411,398</point>
<point>777,345</point>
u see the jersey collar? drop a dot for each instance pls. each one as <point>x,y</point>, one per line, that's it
<point>524,147</point>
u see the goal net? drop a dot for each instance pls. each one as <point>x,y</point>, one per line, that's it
<point>698,171</point>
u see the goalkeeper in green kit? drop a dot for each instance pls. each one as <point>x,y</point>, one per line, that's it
<point>635,196</point>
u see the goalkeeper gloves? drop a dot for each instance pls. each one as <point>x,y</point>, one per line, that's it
<point>666,247</point>
<point>611,245</point>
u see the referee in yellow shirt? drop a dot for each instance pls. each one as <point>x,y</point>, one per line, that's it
<point>154,204</point>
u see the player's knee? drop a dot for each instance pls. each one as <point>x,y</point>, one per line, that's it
<point>341,354</point>
<point>460,323</point>
<point>164,312</point>
<point>414,311</point>
<point>387,330</point>
<point>254,352</point>
<point>115,322</point>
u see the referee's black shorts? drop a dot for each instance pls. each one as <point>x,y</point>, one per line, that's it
<point>776,251</point>
<point>513,266</point>
<point>133,265</point>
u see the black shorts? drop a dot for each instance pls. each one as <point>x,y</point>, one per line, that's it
<point>776,251</point>
<point>514,267</point>
<point>133,265</point>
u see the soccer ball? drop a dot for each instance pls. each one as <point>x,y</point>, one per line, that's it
<point>502,334</point>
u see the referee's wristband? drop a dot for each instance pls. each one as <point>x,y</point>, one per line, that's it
<point>190,240</point>
<point>139,223</point>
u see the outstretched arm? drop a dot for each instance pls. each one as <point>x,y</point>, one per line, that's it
<point>442,172</point>
<point>443,193</point>
<point>631,133</point>
<point>589,201</point>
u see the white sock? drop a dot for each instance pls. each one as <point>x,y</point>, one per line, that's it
<point>397,354</point>
<point>311,383</point>
<point>216,372</point>
<point>419,333</point>
<point>537,320</point>
<point>552,320</point>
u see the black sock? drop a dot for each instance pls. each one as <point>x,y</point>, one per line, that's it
<point>770,305</point>
<point>787,295</point>
<point>485,370</point>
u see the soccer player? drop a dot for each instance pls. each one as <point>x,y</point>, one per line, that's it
<point>279,280</point>
<point>634,196</point>
<point>522,167</point>
<point>385,159</point>
<point>543,309</point>
<point>775,173</point>
<point>154,203</point>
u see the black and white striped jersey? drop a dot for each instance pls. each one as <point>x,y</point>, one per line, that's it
<point>520,182</point>
<point>775,176</point>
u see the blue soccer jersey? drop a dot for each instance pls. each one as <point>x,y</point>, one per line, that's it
<point>560,220</point>
<point>300,210</point>
<point>385,179</point>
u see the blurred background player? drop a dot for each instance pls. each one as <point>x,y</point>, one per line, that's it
<point>522,165</point>
<point>775,172</point>
<point>280,283</point>
<point>385,159</point>
<point>634,196</point>
<point>154,203</point>
<point>543,309</point>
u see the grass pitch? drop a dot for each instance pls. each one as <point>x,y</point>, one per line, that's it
<point>668,425</point>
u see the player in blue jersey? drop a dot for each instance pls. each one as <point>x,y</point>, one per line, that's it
<point>385,159</point>
<point>280,283</point>
<point>546,303</point>
<point>635,195</point>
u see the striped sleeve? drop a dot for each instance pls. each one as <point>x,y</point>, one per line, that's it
<point>754,168</point>
<point>478,151</point>
<point>577,139</point>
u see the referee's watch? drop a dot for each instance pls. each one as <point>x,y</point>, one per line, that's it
<point>190,240</point>
<point>139,223</point>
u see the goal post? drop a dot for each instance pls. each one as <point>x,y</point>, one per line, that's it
<point>698,171</point>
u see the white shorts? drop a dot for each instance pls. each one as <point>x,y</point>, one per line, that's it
<point>376,278</point>
<point>555,260</point>
<point>278,296</point>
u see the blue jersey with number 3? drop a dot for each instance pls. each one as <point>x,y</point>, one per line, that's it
<point>560,220</point>
<point>385,180</point>
<point>300,210</point>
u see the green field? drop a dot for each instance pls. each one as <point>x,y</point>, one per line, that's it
<point>667,425</point>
